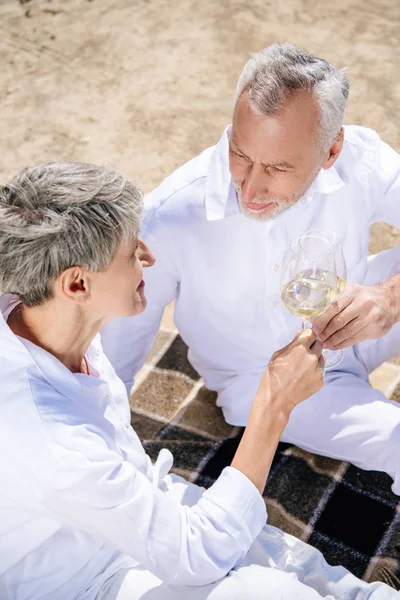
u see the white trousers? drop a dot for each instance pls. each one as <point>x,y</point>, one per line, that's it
<point>277,567</point>
<point>348,419</point>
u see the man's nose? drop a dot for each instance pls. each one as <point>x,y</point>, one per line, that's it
<point>253,186</point>
<point>145,255</point>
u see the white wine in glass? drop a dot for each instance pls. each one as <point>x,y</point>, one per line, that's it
<point>310,293</point>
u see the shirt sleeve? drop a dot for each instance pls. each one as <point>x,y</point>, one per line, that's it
<point>127,341</point>
<point>99,492</point>
<point>387,185</point>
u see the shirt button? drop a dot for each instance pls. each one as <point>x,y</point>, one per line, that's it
<point>275,267</point>
<point>272,304</point>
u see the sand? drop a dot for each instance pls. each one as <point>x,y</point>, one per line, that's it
<point>145,85</point>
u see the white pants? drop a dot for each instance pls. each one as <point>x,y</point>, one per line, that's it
<point>348,419</point>
<point>277,567</point>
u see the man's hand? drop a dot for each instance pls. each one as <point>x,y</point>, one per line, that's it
<point>362,312</point>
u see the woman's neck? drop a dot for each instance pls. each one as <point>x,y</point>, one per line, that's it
<point>65,331</point>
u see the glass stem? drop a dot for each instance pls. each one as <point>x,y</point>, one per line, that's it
<point>303,324</point>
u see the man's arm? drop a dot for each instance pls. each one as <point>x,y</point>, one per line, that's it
<point>386,185</point>
<point>392,289</point>
<point>369,311</point>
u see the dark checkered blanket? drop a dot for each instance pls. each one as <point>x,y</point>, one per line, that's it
<point>349,514</point>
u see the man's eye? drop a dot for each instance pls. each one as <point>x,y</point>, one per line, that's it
<point>275,169</point>
<point>237,154</point>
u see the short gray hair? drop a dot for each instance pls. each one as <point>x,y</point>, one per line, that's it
<point>278,71</point>
<point>62,214</point>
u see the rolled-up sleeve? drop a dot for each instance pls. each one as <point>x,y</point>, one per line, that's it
<point>110,498</point>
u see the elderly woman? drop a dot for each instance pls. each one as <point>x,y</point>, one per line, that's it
<point>84,513</point>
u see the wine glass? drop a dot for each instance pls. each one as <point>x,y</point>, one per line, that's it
<point>313,276</point>
<point>334,357</point>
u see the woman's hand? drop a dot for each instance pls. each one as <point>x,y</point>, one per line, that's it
<point>295,372</point>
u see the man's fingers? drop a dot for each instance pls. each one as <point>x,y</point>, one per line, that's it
<point>321,362</point>
<point>338,322</point>
<point>347,333</point>
<point>349,341</point>
<point>320,323</point>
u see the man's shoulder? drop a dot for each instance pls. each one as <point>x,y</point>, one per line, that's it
<point>359,157</point>
<point>183,188</point>
<point>361,139</point>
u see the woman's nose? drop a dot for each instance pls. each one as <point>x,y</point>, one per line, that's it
<point>145,255</point>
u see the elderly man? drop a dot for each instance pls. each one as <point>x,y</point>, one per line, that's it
<point>85,515</point>
<point>220,226</point>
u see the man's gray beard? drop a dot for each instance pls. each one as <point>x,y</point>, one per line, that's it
<point>280,208</point>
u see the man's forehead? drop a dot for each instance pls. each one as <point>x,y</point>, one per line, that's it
<point>286,131</point>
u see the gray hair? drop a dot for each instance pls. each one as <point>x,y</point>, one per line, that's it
<point>274,74</point>
<point>62,214</point>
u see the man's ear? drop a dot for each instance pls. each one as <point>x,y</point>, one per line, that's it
<point>334,150</point>
<point>75,284</point>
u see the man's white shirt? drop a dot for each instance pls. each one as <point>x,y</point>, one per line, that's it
<point>223,269</point>
<point>80,499</point>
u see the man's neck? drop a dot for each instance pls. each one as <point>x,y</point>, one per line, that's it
<point>65,332</point>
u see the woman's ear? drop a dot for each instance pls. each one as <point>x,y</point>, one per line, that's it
<point>75,284</point>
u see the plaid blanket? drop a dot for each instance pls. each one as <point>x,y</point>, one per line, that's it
<point>349,514</point>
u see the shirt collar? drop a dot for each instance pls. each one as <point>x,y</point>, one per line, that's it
<point>72,385</point>
<point>326,182</point>
<point>220,195</point>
